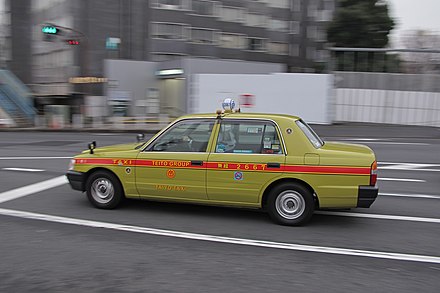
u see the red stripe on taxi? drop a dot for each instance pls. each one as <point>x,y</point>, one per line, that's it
<point>225,166</point>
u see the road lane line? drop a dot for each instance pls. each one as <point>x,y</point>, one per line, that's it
<point>379,216</point>
<point>33,188</point>
<point>409,167</point>
<point>221,239</point>
<point>411,195</point>
<point>32,158</point>
<point>409,164</point>
<point>23,169</point>
<point>400,179</point>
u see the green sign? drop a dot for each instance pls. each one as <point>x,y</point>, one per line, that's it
<point>50,29</point>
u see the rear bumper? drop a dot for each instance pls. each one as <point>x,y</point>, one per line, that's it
<point>366,196</point>
<point>76,180</point>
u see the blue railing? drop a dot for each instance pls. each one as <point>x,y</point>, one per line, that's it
<point>15,98</point>
<point>7,105</point>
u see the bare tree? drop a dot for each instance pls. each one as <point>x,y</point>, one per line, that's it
<point>417,62</point>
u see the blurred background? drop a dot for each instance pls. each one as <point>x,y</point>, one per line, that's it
<point>137,64</point>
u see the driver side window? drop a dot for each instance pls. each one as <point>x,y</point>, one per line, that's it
<point>184,136</point>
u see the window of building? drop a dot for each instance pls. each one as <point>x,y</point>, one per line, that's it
<point>233,41</point>
<point>278,48</point>
<point>202,7</point>
<point>202,36</point>
<point>163,30</point>
<point>312,32</point>
<point>248,137</point>
<point>170,4</point>
<point>294,50</point>
<point>322,55</point>
<point>312,9</point>
<point>257,20</point>
<point>278,3</point>
<point>185,136</point>
<point>321,35</point>
<point>256,44</point>
<point>329,5</point>
<point>295,27</point>
<point>233,14</point>
<point>324,15</point>
<point>311,53</point>
<point>279,25</point>
<point>296,5</point>
<point>158,56</point>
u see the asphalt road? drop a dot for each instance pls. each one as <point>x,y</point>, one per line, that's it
<point>53,240</point>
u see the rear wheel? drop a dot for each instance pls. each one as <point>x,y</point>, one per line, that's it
<point>104,190</point>
<point>290,204</point>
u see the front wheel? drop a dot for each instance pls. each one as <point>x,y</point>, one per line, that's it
<point>290,204</point>
<point>104,190</point>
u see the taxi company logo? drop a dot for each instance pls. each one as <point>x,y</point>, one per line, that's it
<point>128,170</point>
<point>171,173</point>
<point>238,176</point>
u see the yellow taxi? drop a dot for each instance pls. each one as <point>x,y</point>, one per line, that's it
<point>268,161</point>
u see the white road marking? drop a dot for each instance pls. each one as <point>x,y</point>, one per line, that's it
<point>23,169</point>
<point>33,188</point>
<point>409,166</point>
<point>32,158</point>
<point>405,163</point>
<point>411,195</point>
<point>380,216</point>
<point>221,239</point>
<point>400,179</point>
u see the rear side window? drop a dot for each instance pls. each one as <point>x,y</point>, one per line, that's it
<point>248,137</point>
<point>311,135</point>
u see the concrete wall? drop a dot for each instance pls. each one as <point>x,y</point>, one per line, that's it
<point>387,106</point>
<point>409,99</point>
<point>193,66</point>
<point>134,77</point>
<point>305,95</point>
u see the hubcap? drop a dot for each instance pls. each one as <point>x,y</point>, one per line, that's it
<point>102,190</point>
<point>290,204</point>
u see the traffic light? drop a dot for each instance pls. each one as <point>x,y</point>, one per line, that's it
<point>72,42</point>
<point>50,30</point>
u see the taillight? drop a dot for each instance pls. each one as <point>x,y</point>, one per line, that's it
<point>373,174</point>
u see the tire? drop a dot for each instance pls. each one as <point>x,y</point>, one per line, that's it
<point>104,190</point>
<point>290,204</point>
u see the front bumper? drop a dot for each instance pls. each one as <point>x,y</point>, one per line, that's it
<point>366,196</point>
<point>76,180</point>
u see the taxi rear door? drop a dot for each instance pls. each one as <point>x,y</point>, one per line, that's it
<point>174,164</point>
<point>246,156</point>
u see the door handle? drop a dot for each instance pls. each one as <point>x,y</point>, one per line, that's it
<point>196,163</point>
<point>273,165</point>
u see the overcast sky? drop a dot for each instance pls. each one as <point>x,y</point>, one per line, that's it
<point>414,14</point>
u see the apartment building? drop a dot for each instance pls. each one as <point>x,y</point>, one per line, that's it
<point>288,32</point>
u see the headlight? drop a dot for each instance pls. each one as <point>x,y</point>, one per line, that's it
<point>72,164</point>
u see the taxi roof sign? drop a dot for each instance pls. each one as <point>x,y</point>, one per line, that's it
<point>228,104</point>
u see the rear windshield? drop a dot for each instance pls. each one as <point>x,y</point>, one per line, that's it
<point>311,135</point>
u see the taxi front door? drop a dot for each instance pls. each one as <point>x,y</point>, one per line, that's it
<point>246,156</point>
<point>174,165</point>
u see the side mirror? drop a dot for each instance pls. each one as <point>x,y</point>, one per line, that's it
<point>92,146</point>
<point>140,137</point>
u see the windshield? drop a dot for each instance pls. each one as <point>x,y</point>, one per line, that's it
<point>311,135</point>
